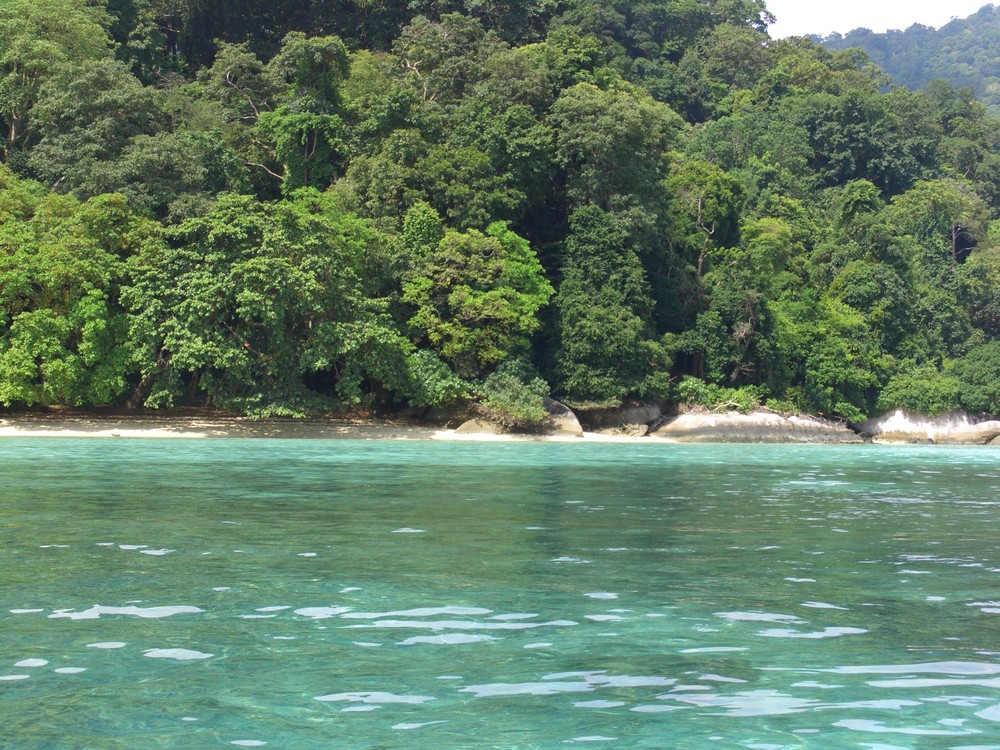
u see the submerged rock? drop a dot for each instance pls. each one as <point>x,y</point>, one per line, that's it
<point>759,427</point>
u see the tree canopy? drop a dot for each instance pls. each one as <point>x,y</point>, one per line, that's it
<point>300,207</point>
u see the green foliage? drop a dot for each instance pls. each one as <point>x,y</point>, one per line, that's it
<point>63,332</point>
<point>476,297</point>
<point>37,42</point>
<point>978,372</point>
<point>280,210</point>
<point>513,395</point>
<point>431,382</point>
<point>612,144</point>
<point>924,390</point>
<point>605,346</point>
<point>252,302</point>
<point>696,392</point>
<point>961,53</point>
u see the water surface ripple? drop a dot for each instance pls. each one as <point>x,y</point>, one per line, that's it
<point>358,594</point>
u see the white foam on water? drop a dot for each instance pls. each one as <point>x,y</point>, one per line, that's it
<point>97,610</point>
<point>825,633</point>
<point>156,552</point>
<point>12,677</point>
<point>321,613</point>
<point>817,685</point>
<point>515,616</point>
<point>418,725</point>
<point>969,668</point>
<point>69,670</point>
<point>449,639</point>
<point>407,530</point>
<point>869,725</point>
<point>419,612</point>
<point>494,689</point>
<point>460,625</point>
<point>758,617</point>
<point>749,703</point>
<point>822,605</point>
<point>31,663</point>
<point>374,697</point>
<point>179,654</point>
<point>108,644</point>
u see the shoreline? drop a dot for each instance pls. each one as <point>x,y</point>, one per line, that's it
<point>693,427</point>
<point>221,427</point>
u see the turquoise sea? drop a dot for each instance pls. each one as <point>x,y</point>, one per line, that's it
<point>304,594</point>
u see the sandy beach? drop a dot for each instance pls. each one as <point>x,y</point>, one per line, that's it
<point>692,427</point>
<point>169,426</point>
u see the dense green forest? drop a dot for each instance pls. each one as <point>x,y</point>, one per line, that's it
<point>297,206</point>
<point>963,53</point>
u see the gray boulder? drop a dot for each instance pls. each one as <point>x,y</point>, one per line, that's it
<point>957,428</point>
<point>759,427</point>
<point>561,421</point>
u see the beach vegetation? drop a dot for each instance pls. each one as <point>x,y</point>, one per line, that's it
<point>314,207</point>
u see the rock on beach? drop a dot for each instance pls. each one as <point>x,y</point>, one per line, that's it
<point>702,426</point>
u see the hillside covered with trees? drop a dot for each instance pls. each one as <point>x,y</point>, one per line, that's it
<point>307,205</point>
<point>963,53</point>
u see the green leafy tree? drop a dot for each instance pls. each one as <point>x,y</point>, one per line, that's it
<point>513,395</point>
<point>924,390</point>
<point>63,332</point>
<point>612,145</point>
<point>604,342</point>
<point>251,304</point>
<point>38,43</point>
<point>476,297</point>
<point>978,372</point>
<point>305,129</point>
<point>86,122</point>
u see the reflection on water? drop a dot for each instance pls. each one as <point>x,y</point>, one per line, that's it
<point>439,595</point>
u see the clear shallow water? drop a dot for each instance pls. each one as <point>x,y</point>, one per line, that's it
<point>294,594</point>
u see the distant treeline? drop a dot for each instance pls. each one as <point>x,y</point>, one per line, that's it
<point>286,207</point>
<point>963,53</point>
